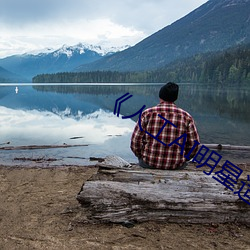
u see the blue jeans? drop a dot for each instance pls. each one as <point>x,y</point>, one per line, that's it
<point>145,165</point>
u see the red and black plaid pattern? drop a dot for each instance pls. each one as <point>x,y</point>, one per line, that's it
<point>157,153</point>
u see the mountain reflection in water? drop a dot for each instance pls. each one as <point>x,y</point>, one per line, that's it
<point>57,114</point>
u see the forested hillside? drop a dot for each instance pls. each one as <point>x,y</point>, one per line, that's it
<point>229,66</point>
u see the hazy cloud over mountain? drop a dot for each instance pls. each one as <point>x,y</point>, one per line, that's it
<point>32,24</point>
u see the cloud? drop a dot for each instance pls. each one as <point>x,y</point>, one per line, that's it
<point>38,36</point>
<point>142,14</point>
<point>22,12</point>
<point>30,24</point>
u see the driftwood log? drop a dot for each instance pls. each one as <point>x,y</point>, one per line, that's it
<point>30,147</point>
<point>120,195</point>
<point>227,147</point>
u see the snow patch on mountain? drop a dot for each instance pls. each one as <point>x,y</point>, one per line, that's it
<point>79,48</point>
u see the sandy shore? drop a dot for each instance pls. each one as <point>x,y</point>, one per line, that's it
<point>38,210</point>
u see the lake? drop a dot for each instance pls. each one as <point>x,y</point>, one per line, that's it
<point>82,114</point>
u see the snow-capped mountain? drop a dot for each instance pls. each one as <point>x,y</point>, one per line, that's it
<point>81,48</point>
<point>64,59</point>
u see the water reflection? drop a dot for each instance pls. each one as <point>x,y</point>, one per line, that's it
<point>29,127</point>
<point>101,131</point>
<point>52,114</point>
<point>222,114</point>
<point>228,101</point>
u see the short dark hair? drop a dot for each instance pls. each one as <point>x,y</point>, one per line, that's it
<point>169,92</point>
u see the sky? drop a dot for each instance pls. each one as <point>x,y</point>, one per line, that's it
<point>32,25</point>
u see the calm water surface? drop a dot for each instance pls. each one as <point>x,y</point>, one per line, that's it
<point>83,114</point>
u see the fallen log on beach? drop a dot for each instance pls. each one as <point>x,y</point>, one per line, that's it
<point>118,195</point>
<point>29,147</point>
<point>37,160</point>
<point>226,147</point>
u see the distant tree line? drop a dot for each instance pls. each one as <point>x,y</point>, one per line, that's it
<point>231,66</point>
<point>91,77</point>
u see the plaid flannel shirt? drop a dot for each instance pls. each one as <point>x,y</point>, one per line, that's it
<point>153,152</point>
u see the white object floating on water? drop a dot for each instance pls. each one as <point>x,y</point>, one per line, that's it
<point>16,90</point>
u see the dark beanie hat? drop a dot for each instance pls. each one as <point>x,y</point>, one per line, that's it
<point>169,92</point>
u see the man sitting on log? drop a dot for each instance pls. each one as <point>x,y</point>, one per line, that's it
<point>165,136</point>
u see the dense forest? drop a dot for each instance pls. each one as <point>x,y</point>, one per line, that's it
<point>231,66</point>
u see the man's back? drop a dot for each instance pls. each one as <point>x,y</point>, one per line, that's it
<point>162,124</point>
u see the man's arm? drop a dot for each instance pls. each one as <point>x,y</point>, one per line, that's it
<point>137,140</point>
<point>192,136</point>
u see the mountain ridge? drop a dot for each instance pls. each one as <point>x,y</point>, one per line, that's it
<point>9,77</point>
<point>65,58</point>
<point>215,25</point>
<point>228,67</point>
